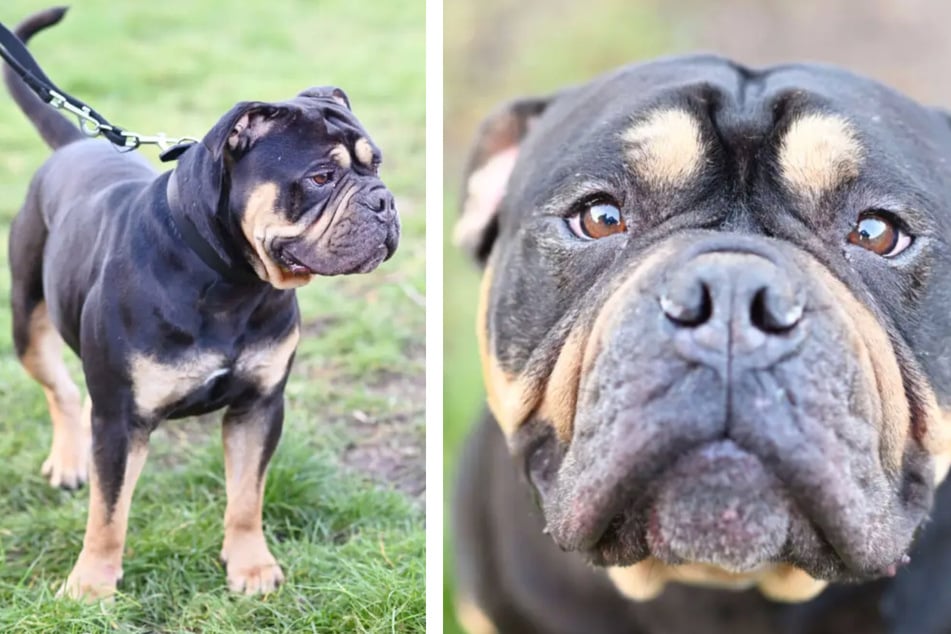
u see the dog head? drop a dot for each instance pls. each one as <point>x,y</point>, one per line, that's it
<point>714,319</point>
<point>296,185</point>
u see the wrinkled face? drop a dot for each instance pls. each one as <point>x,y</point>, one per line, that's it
<point>306,191</point>
<point>714,322</point>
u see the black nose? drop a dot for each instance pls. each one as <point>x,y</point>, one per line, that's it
<point>747,296</point>
<point>381,201</point>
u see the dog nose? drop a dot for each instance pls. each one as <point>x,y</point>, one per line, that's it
<point>381,201</point>
<point>745,297</point>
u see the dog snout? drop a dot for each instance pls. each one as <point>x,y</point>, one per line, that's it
<point>381,201</point>
<point>739,302</point>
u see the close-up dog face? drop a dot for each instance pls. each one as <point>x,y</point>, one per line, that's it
<point>711,320</point>
<point>320,208</point>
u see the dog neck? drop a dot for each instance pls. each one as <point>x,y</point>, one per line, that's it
<point>203,231</point>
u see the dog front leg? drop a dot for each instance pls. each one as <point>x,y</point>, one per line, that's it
<point>250,434</point>
<point>119,453</point>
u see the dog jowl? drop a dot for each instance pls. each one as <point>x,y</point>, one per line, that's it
<point>713,319</point>
<point>176,290</point>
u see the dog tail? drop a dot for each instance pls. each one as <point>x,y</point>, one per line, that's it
<point>55,129</point>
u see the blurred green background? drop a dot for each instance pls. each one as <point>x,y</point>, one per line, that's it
<point>344,504</point>
<point>496,50</point>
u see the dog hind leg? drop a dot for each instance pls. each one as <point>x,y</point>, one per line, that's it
<point>39,348</point>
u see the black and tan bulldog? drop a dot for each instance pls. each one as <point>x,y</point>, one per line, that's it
<point>176,291</point>
<point>715,329</point>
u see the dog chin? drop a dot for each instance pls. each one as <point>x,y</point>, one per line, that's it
<point>291,279</point>
<point>719,505</point>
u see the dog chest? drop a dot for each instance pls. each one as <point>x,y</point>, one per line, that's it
<point>203,380</point>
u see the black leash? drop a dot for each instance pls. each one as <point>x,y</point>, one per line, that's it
<point>91,122</point>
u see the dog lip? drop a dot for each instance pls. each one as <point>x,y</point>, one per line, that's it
<point>591,513</point>
<point>292,264</point>
<point>596,519</point>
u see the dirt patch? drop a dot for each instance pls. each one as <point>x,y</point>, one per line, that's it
<point>392,453</point>
<point>390,448</point>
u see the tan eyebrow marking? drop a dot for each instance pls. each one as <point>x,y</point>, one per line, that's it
<point>665,148</point>
<point>364,151</point>
<point>818,153</point>
<point>340,154</point>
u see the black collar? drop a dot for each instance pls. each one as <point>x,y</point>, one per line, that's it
<point>231,266</point>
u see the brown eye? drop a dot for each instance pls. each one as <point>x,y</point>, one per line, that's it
<point>322,178</point>
<point>879,233</point>
<point>597,220</point>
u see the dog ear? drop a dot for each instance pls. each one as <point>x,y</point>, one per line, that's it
<point>487,174</point>
<point>242,127</point>
<point>328,92</point>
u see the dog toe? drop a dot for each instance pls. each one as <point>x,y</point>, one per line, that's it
<point>68,472</point>
<point>255,580</point>
<point>91,581</point>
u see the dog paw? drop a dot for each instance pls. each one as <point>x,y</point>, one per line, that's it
<point>251,567</point>
<point>91,580</point>
<point>67,467</point>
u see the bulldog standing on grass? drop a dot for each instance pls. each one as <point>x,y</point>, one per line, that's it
<point>715,328</point>
<point>176,291</point>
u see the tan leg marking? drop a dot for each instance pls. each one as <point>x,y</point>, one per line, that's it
<point>364,151</point>
<point>819,152</point>
<point>67,464</point>
<point>472,619</point>
<point>99,566</point>
<point>665,149</point>
<point>251,567</point>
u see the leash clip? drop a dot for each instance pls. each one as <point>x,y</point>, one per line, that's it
<point>92,126</point>
<point>134,140</point>
<point>89,125</point>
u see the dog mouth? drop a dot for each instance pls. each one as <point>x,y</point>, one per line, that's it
<point>717,505</point>
<point>299,260</point>
<point>734,503</point>
<point>291,265</point>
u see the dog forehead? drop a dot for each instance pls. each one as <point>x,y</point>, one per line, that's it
<point>670,119</point>
<point>340,122</point>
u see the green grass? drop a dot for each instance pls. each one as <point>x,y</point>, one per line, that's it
<point>496,51</point>
<point>351,544</point>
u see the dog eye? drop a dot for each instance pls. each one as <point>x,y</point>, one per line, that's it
<point>322,178</point>
<point>879,233</point>
<point>598,219</point>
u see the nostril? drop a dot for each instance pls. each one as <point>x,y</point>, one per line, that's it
<point>381,202</point>
<point>774,312</point>
<point>687,304</point>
